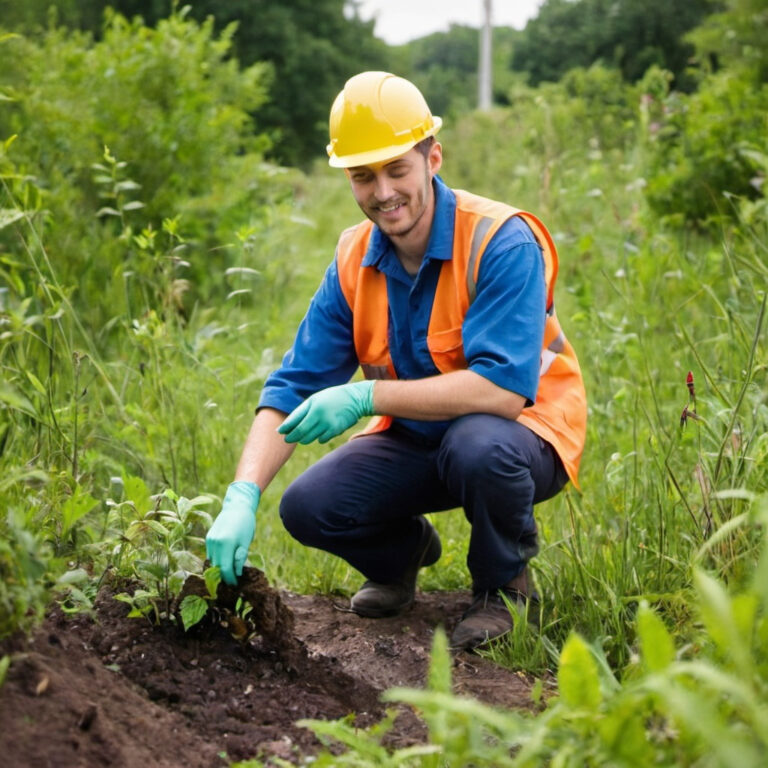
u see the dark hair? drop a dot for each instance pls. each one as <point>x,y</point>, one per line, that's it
<point>424,146</point>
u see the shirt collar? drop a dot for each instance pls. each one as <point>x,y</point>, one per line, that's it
<point>440,246</point>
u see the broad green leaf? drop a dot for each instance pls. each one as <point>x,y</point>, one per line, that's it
<point>439,676</point>
<point>658,648</point>
<point>577,676</point>
<point>192,609</point>
<point>716,609</point>
<point>135,490</point>
<point>107,211</point>
<point>79,504</point>
<point>212,578</point>
<point>75,576</point>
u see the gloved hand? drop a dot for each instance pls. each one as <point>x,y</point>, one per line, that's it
<point>232,532</point>
<point>328,413</point>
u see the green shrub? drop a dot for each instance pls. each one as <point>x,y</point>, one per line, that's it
<point>697,151</point>
<point>24,565</point>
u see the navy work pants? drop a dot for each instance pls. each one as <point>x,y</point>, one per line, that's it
<point>361,501</point>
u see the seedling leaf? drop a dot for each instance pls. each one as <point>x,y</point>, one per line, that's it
<point>192,609</point>
<point>212,578</point>
<point>79,504</point>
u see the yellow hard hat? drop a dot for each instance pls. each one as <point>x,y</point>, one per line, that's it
<point>376,117</point>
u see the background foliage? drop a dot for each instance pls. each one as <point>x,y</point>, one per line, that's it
<point>155,260</point>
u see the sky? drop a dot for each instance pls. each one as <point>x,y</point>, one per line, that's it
<point>399,21</point>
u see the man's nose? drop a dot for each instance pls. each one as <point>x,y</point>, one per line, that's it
<point>383,188</point>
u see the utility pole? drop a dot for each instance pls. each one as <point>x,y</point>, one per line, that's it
<point>484,68</point>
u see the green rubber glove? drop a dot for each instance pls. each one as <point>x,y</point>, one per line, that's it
<point>328,413</point>
<point>232,532</point>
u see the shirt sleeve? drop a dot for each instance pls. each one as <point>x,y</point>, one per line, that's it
<point>323,352</point>
<point>503,329</point>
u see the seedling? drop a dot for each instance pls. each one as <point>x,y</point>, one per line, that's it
<point>193,607</point>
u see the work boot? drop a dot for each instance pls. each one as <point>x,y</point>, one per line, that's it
<point>375,600</point>
<point>489,617</point>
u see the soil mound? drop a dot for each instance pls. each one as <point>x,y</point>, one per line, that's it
<point>114,691</point>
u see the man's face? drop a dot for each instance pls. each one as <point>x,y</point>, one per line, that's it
<point>395,194</point>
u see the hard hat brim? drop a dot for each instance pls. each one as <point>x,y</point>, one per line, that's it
<point>380,154</point>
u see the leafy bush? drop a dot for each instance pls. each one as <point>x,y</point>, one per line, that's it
<point>174,109</point>
<point>169,98</point>
<point>24,564</point>
<point>700,149</point>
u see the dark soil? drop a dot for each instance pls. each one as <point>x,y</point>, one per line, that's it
<point>116,691</point>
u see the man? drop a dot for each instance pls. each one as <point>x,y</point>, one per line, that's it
<point>444,299</point>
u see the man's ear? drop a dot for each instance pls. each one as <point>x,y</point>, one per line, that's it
<point>435,158</point>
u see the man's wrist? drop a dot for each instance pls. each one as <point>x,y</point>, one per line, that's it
<point>244,491</point>
<point>366,388</point>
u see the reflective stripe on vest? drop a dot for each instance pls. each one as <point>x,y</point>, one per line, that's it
<point>559,413</point>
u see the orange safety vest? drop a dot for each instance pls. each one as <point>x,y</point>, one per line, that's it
<point>559,414</point>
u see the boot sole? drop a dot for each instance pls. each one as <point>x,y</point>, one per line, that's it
<point>429,556</point>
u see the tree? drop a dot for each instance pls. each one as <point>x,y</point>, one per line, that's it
<point>629,34</point>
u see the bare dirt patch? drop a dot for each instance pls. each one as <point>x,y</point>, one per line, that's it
<point>115,691</point>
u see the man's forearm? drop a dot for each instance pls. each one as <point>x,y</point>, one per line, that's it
<point>265,450</point>
<point>447,396</point>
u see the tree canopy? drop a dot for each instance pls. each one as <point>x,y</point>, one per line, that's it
<point>629,34</point>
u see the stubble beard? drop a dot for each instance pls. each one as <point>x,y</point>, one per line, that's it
<point>407,227</point>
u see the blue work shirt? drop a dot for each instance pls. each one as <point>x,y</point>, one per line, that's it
<point>502,331</point>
